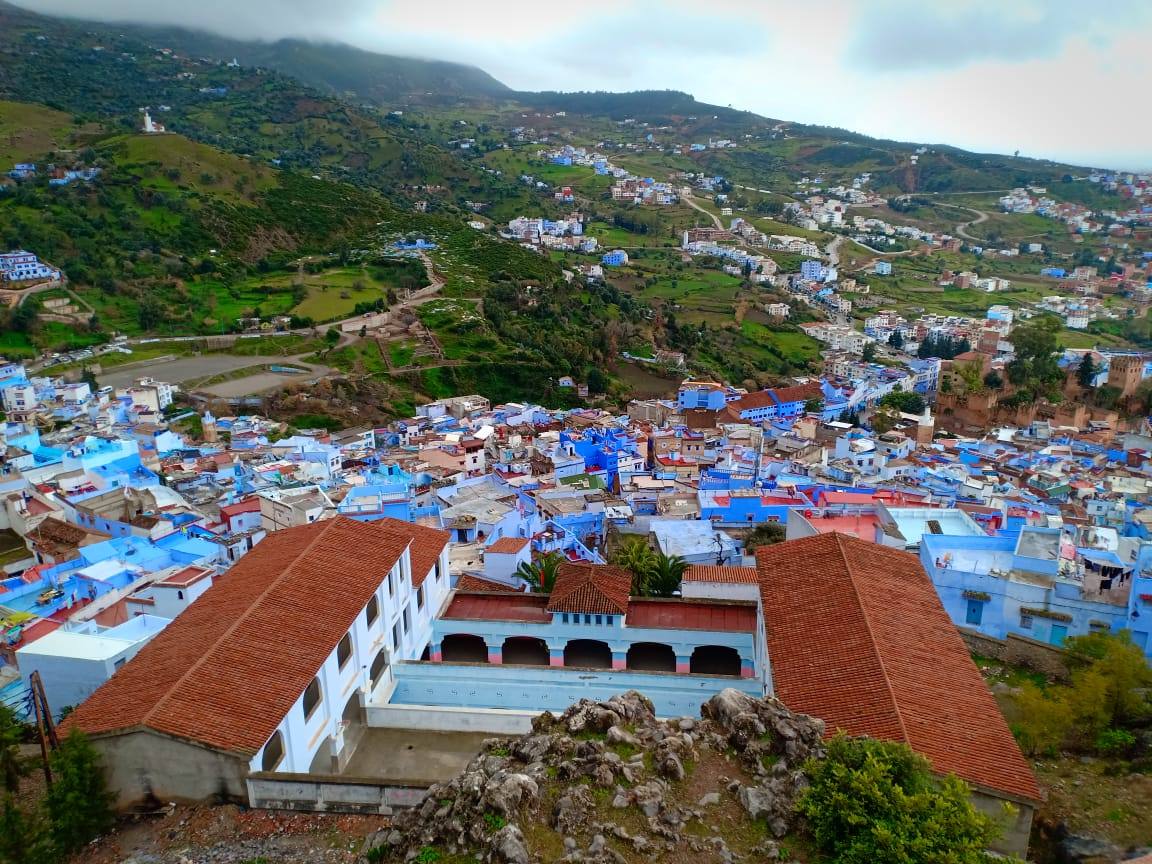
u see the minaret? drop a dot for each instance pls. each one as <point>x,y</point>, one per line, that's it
<point>925,427</point>
<point>208,423</point>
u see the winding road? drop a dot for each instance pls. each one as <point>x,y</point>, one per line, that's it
<point>691,202</point>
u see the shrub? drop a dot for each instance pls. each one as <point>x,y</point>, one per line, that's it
<point>877,802</point>
<point>1115,742</point>
<point>78,801</point>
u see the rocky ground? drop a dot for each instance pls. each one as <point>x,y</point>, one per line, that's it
<point>608,783</point>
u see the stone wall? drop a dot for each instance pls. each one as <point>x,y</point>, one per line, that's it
<point>1019,651</point>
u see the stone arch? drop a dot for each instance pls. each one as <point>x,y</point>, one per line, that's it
<point>463,648</point>
<point>588,653</point>
<point>651,657</point>
<point>525,651</point>
<point>715,660</point>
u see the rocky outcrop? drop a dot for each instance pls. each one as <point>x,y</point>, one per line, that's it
<point>601,766</point>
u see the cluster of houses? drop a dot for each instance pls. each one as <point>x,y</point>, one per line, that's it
<point>543,234</point>
<point>142,561</point>
<point>22,266</point>
<point>57,175</point>
<point>1081,219</point>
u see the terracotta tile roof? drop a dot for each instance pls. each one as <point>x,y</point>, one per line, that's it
<point>718,616</point>
<point>427,544</point>
<point>856,635</point>
<point>468,582</point>
<point>591,588</point>
<point>219,674</point>
<point>498,607</point>
<point>721,575</point>
<point>507,545</point>
<point>799,392</point>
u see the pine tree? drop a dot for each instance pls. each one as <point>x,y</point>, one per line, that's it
<point>23,839</point>
<point>1086,372</point>
<point>79,803</point>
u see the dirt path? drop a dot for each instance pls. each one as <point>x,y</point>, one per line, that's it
<point>691,202</point>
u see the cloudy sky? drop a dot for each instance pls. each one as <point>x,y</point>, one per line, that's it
<point>1050,78</point>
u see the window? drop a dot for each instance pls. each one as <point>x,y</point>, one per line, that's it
<point>273,752</point>
<point>373,610</point>
<point>396,636</point>
<point>311,698</point>
<point>119,662</point>
<point>599,620</point>
<point>378,665</point>
<point>608,620</point>
<point>344,651</point>
<point>439,572</point>
<point>587,619</point>
<point>1025,621</point>
<point>391,584</point>
<point>179,595</point>
<point>407,618</point>
<point>564,618</point>
<point>420,597</point>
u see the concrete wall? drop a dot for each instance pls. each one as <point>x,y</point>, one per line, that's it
<point>540,688</point>
<point>1014,819</point>
<point>140,764</point>
<point>329,794</point>
<point>442,719</point>
<point>720,591</point>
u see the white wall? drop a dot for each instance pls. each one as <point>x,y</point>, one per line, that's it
<point>720,590</point>
<point>304,737</point>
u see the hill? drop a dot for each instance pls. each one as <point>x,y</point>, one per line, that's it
<point>95,72</point>
<point>343,70</point>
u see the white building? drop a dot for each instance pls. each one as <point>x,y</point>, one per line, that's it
<point>271,670</point>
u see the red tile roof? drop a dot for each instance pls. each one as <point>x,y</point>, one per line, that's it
<point>220,674</point>
<point>856,635</point>
<point>507,546</point>
<point>591,588</point>
<point>498,607</point>
<point>427,544</point>
<point>727,617</point>
<point>468,582</point>
<point>721,575</point>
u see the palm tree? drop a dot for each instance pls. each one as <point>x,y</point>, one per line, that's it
<point>665,576</point>
<point>541,575</point>
<point>636,556</point>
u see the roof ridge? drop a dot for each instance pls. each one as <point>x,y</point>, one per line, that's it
<point>237,621</point>
<point>871,634</point>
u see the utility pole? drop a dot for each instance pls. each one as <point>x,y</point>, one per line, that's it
<point>45,728</point>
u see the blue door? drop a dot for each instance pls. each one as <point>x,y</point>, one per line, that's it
<point>1059,634</point>
<point>975,612</point>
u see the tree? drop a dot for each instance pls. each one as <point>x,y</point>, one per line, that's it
<point>902,400</point>
<point>664,576</point>
<point>766,534</point>
<point>23,836</point>
<point>89,378</point>
<point>78,801</point>
<point>877,802</point>
<point>13,767</point>
<point>813,405</point>
<point>896,340</point>
<point>636,556</point>
<point>993,381</point>
<point>332,335</point>
<point>1086,372</point>
<point>541,575</point>
<point>869,352</point>
<point>1034,367</point>
<point>597,380</point>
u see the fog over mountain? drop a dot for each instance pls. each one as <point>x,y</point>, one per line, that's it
<point>1050,78</point>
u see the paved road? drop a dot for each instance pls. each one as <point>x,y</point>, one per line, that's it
<point>182,369</point>
<point>691,202</point>
<point>981,216</point>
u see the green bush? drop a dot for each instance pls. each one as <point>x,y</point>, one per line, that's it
<point>1115,742</point>
<point>78,801</point>
<point>877,802</point>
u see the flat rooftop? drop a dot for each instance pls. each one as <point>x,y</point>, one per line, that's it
<point>413,757</point>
